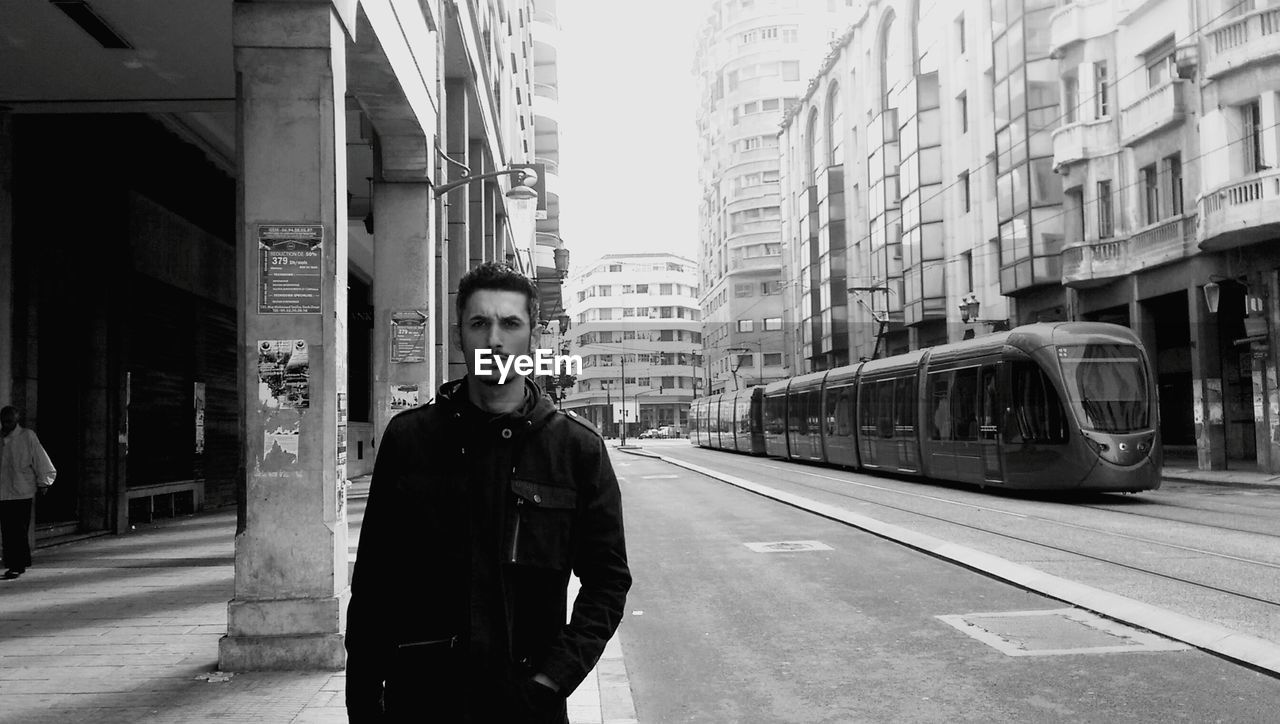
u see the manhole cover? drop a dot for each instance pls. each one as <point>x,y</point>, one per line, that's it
<point>788,546</point>
<point>1056,632</point>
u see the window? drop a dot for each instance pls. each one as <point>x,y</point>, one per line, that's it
<point>1106,385</point>
<point>1150,194</point>
<point>1251,120</point>
<point>773,359</point>
<point>628,311</point>
<point>1101,104</point>
<point>733,80</point>
<point>628,288</point>
<point>664,289</point>
<point>1070,97</point>
<point>746,325</point>
<point>960,33</point>
<point>745,360</point>
<point>1105,228</point>
<point>605,290</point>
<point>962,107</point>
<point>966,270</point>
<point>772,324</point>
<point>1036,412</point>
<point>642,289</point>
<point>965,199</point>
<point>770,104</point>
<point>1161,67</point>
<point>790,70</point>
<point>615,267</point>
<point>1173,172</point>
<point>770,288</point>
<point>742,290</point>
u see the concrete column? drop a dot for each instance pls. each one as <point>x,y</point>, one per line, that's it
<point>457,205</point>
<point>1206,382</point>
<point>7,346</point>
<point>1265,383</point>
<point>403,281</point>
<point>478,200</point>
<point>291,545</point>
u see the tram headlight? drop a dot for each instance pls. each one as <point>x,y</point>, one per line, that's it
<point>1098,447</point>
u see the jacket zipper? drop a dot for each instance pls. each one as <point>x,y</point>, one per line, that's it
<point>452,641</point>
<point>515,534</point>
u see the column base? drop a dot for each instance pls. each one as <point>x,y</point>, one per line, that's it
<point>314,652</point>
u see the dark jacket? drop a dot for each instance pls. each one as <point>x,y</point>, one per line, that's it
<point>410,637</point>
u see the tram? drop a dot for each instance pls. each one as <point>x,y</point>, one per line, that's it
<point>1050,406</point>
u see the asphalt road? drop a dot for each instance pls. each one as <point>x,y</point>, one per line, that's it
<point>850,632</point>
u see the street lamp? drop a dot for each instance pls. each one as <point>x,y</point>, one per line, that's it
<point>759,345</point>
<point>636,396</point>
<point>969,309</point>
<point>521,189</point>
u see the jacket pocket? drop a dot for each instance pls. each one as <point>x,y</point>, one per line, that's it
<point>541,524</point>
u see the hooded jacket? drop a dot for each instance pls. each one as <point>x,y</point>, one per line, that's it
<point>449,609</point>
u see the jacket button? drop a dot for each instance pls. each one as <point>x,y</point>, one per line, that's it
<point>506,433</point>
<point>537,498</point>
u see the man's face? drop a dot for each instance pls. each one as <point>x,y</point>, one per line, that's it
<point>8,421</point>
<point>497,320</point>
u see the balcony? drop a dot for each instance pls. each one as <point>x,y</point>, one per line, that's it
<point>1251,38</point>
<point>546,90</point>
<point>1081,140</point>
<point>1095,263</point>
<point>752,263</point>
<point>1162,106</point>
<point>1079,21</point>
<point>1240,213</point>
<point>1163,242</point>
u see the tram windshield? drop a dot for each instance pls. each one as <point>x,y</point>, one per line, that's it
<point>1107,385</point>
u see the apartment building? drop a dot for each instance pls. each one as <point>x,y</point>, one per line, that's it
<point>981,164</point>
<point>752,61</point>
<point>638,329</point>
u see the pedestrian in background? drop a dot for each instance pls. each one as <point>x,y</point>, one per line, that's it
<point>481,505</point>
<point>24,468</point>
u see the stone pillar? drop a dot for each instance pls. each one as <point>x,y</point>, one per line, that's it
<point>1265,383</point>
<point>1206,383</point>
<point>403,284</point>
<point>291,547</point>
<point>7,346</point>
<point>478,202</point>
<point>457,204</point>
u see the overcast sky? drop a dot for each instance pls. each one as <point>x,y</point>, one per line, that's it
<point>629,157</point>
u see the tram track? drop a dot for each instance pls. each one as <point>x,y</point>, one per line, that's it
<point>842,492</point>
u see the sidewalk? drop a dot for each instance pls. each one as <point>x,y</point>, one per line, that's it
<point>126,628</point>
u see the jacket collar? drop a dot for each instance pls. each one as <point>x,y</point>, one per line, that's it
<point>531,415</point>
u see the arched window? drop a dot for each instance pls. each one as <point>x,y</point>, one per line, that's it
<point>811,148</point>
<point>835,135</point>
<point>887,58</point>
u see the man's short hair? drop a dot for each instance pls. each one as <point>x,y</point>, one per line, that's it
<point>498,276</point>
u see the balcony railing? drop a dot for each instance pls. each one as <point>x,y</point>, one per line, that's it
<point>1163,242</point>
<point>1160,107</point>
<point>1079,21</point>
<point>756,262</point>
<point>1084,139</point>
<point>1251,38</point>
<point>1095,263</point>
<point>1241,212</point>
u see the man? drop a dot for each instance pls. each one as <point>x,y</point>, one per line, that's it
<point>24,468</point>
<point>481,504</point>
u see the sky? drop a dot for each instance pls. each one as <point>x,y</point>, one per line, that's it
<point>628,139</point>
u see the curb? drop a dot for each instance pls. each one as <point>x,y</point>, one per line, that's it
<point>1215,638</point>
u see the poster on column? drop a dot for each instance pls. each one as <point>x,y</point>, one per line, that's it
<point>402,397</point>
<point>284,373</point>
<point>290,262</point>
<point>199,412</point>
<point>409,336</point>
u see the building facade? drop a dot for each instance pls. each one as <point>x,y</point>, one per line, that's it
<point>228,256</point>
<point>637,328</point>
<point>752,61</point>
<point>984,164</point>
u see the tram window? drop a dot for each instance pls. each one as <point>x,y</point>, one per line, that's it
<point>940,406</point>
<point>884,408</point>
<point>775,420</point>
<point>1107,386</point>
<point>1037,411</point>
<point>866,398</point>
<point>843,410</point>
<point>815,412</point>
<point>964,404</point>
<point>904,404</point>
<point>799,407</point>
<point>988,401</point>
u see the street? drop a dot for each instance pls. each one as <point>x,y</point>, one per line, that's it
<point>851,631</point>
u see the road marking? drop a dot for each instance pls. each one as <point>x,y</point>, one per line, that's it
<point>1056,632</point>
<point>899,492</point>
<point>658,477</point>
<point>788,546</point>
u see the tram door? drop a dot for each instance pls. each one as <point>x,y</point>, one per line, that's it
<point>989,417</point>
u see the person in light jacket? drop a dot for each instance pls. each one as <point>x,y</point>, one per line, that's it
<point>481,505</point>
<point>24,468</point>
